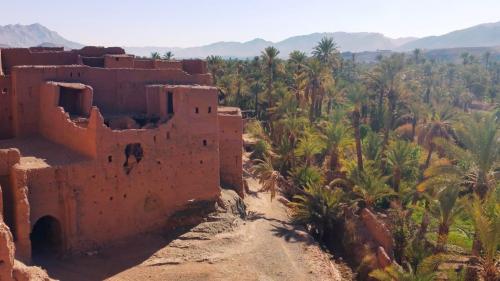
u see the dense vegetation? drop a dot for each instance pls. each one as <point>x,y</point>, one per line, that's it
<point>414,139</point>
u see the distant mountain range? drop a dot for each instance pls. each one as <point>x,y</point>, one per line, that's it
<point>32,35</point>
<point>484,35</point>
<point>354,42</point>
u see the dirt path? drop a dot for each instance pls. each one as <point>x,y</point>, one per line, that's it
<point>264,247</point>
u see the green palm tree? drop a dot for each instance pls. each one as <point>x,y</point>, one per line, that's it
<point>168,55</point>
<point>372,144</point>
<point>268,177</point>
<point>480,138</point>
<point>438,126</point>
<point>269,57</point>
<point>486,217</point>
<point>337,136</point>
<point>216,67</point>
<point>446,208</point>
<point>356,96</point>
<point>367,186</point>
<point>302,175</point>
<point>155,55</point>
<point>318,208</point>
<point>370,186</point>
<point>479,162</point>
<point>386,80</point>
<point>318,79</point>
<point>326,51</point>
<point>297,62</point>
<point>309,146</point>
<point>401,156</point>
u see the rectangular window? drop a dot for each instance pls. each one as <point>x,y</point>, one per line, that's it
<point>170,103</point>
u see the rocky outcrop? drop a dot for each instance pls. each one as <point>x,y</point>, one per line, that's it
<point>369,241</point>
<point>378,231</point>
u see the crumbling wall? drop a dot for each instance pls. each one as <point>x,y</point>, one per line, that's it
<point>6,252</point>
<point>116,91</point>
<point>110,198</point>
<point>230,148</point>
<point>56,125</point>
<point>132,180</point>
<point>21,214</point>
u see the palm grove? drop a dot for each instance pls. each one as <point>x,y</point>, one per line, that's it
<point>408,138</point>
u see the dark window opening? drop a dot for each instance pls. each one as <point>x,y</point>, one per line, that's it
<point>71,100</point>
<point>204,142</point>
<point>71,74</point>
<point>111,198</point>
<point>110,159</point>
<point>170,103</point>
<point>93,61</point>
<point>132,150</point>
<point>209,109</point>
<point>196,110</point>
<point>4,91</point>
<point>117,59</point>
<point>124,195</point>
<point>201,161</point>
<point>154,139</point>
<point>46,237</point>
<point>168,135</point>
<point>78,74</point>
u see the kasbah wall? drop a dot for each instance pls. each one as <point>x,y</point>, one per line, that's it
<point>97,146</point>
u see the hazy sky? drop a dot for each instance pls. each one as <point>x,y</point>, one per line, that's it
<point>189,22</point>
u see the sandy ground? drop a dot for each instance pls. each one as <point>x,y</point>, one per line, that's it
<point>263,247</point>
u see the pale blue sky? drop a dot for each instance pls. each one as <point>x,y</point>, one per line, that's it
<point>189,22</point>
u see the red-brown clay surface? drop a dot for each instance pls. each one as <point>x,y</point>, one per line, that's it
<point>264,247</point>
<point>97,146</point>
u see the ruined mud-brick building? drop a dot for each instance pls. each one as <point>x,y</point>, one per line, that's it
<point>97,145</point>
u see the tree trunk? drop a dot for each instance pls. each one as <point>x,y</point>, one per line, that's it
<point>357,137</point>
<point>270,89</point>
<point>334,159</point>
<point>397,179</point>
<point>429,155</point>
<point>442,238</point>
<point>257,105</point>
<point>424,224</point>
<point>413,129</point>
<point>476,245</point>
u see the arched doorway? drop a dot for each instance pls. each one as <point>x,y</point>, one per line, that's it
<point>46,237</point>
